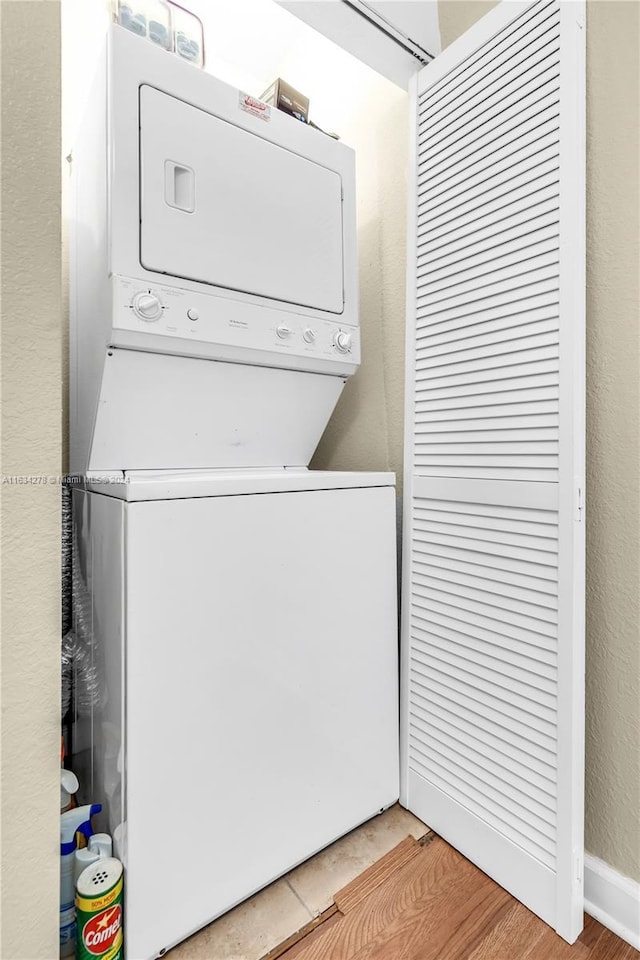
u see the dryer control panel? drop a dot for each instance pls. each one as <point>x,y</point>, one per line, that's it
<point>198,324</point>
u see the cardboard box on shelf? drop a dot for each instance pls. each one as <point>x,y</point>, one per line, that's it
<point>284,97</point>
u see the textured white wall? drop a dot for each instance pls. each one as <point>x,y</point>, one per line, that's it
<point>613,423</point>
<point>31,445</point>
<point>613,436</point>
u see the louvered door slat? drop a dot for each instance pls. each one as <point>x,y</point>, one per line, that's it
<point>461,737</point>
<point>536,198</point>
<point>480,347</point>
<point>483,205</point>
<point>530,277</point>
<point>523,400</point>
<point>429,608</point>
<point>483,61</point>
<point>503,744</point>
<point>521,667</point>
<point>487,374</point>
<point>492,246</point>
<point>475,528</point>
<point>446,569</point>
<point>482,268</point>
<point>519,655</point>
<point>493,564</point>
<point>502,619</point>
<point>480,342</point>
<point>447,435</point>
<point>500,166</point>
<point>532,218</point>
<point>482,517</point>
<point>514,783</point>
<point>517,823</point>
<point>536,108</point>
<point>486,275</point>
<point>457,616</point>
<point>470,192</point>
<point>524,58</point>
<point>538,734</point>
<point>534,742</point>
<point>460,574</point>
<point>493,696</point>
<point>491,159</point>
<point>519,83</point>
<point>455,437</point>
<point>532,804</point>
<point>512,742</point>
<point>488,331</point>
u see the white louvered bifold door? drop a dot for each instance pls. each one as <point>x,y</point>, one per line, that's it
<point>493,648</point>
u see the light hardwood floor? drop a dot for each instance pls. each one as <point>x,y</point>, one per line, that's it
<point>424,901</point>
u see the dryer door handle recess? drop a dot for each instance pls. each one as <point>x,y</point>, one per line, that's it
<point>179,186</point>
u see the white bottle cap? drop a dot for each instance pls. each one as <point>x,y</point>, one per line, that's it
<point>68,786</point>
<point>83,858</point>
<point>101,844</point>
<point>99,878</point>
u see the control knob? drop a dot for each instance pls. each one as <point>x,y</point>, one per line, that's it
<point>147,306</point>
<point>342,341</point>
<point>283,331</point>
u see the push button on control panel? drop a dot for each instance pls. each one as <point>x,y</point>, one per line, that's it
<point>193,314</point>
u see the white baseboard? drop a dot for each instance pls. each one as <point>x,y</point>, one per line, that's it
<point>612,899</point>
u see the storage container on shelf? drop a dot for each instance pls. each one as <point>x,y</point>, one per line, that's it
<point>147,18</point>
<point>188,35</point>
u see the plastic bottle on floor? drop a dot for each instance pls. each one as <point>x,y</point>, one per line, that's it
<point>73,821</point>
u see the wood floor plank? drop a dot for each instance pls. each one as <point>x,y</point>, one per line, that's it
<point>436,905</point>
<point>298,949</point>
<point>513,933</point>
<point>591,931</point>
<point>355,892</point>
<point>441,928</point>
<point>553,947</point>
<point>625,951</point>
<point>611,947</point>
<point>331,915</point>
<point>427,876</point>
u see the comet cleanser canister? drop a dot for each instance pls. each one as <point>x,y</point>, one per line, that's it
<point>99,911</point>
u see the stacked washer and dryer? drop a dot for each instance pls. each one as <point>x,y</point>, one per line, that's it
<point>243,607</point>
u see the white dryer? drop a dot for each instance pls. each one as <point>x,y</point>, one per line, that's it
<point>214,295</point>
<point>242,608</point>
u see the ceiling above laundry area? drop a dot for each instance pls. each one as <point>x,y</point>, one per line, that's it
<point>395,37</point>
<point>248,43</point>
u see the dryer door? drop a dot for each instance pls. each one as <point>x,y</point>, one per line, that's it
<point>224,207</point>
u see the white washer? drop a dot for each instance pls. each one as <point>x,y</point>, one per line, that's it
<point>244,626</point>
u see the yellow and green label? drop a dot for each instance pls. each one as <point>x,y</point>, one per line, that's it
<point>100,925</point>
